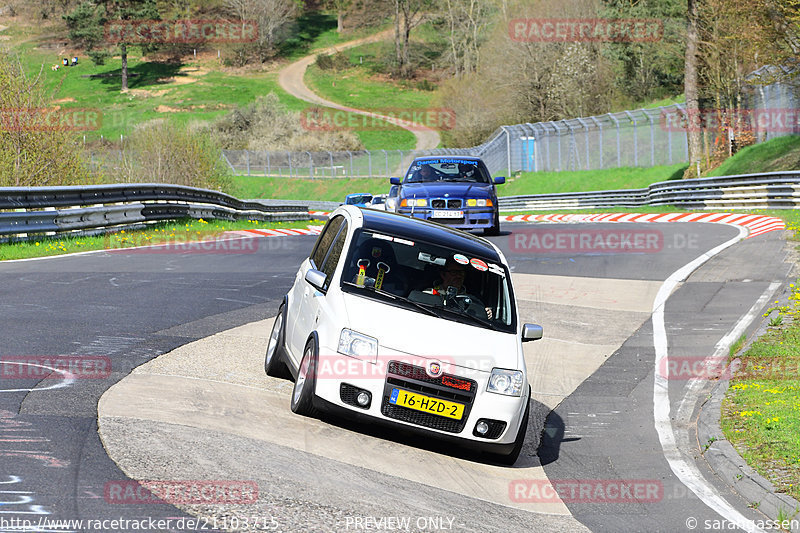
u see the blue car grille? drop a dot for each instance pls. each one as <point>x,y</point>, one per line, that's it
<point>443,203</point>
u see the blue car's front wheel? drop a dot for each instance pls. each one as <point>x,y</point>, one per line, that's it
<point>495,228</point>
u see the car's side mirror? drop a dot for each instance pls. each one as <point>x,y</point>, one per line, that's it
<point>531,332</point>
<point>499,180</point>
<point>316,278</point>
<point>394,181</point>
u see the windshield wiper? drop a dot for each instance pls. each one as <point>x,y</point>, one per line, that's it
<point>395,298</point>
<point>463,312</point>
<point>479,320</point>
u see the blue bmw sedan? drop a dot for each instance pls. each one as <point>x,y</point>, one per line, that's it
<point>453,190</point>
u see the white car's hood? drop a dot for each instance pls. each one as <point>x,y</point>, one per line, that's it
<point>423,336</point>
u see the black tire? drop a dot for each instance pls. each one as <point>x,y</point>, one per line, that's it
<point>495,229</point>
<point>512,457</point>
<point>302,402</point>
<point>274,362</point>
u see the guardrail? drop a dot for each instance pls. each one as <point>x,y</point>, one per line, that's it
<point>770,190</point>
<point>96,208</point>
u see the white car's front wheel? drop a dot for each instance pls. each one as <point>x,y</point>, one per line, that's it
<point>306,382</point>
<point>511,458</point>
<point>273,364</point>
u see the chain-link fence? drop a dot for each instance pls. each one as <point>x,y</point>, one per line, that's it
<point>639,138</point>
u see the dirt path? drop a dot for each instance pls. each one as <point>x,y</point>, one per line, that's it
<point>290,79</point>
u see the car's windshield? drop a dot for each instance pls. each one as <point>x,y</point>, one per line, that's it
<point>355,199</point>
<point>448,169</point>
<point>431,278</point>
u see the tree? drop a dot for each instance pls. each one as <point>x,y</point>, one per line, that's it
<point>690,83</point>
<point>341,7</point>
<point>271,16</point>
<point>648,69</point>
<point>36,144</point>
<point>467,23</point>
<point>408,14</point>
<point>89,24</point>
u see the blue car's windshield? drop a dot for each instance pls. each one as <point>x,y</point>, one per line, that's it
<point>447,169</point>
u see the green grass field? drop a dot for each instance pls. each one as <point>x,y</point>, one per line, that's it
<point>761,411</point>
<point>333,190</point>
<point>589,180</point>
<point>199,89</point>
<point>177,233</point>
<point>782,153</point>
<point>527,183</point>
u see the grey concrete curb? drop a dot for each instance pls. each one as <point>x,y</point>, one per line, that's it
<point>726,462</point>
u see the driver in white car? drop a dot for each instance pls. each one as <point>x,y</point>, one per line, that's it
<point>453,275</point>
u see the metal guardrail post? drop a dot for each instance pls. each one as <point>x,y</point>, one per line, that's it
<point>600,142</point>
<point>586,139</point>
<point>558,134</point>
<point>508,149</point>
<point>619,147</point>
<point>652,140</point>
<point>635,140</point>
<point>351,163</point>
<point>665,120</point>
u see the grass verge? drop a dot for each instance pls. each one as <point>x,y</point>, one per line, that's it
<point>782,153</point>
<point>527,183</point>
<point>589,180</point>
<point>327,189</point>
<point>761,411</point>
<point>183,232</point>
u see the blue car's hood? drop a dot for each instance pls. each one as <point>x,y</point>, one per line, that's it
<point>453,189</point>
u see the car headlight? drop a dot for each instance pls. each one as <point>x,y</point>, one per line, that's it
<point>413,202</point>
<point>357,345</point>
<point>479,202</point>
<point>507,382</point>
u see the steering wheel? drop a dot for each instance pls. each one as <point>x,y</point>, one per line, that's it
<point>470,305</point>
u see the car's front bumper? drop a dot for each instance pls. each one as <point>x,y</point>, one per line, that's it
<point>339,374</point>
<point>474,217</point>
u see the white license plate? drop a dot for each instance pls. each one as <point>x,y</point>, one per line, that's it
<point>448,214</point>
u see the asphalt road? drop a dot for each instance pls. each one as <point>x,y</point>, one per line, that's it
<point>131,308</point>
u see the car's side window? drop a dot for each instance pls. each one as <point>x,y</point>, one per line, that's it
<point>329,233</point>
<point>334,256</point>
